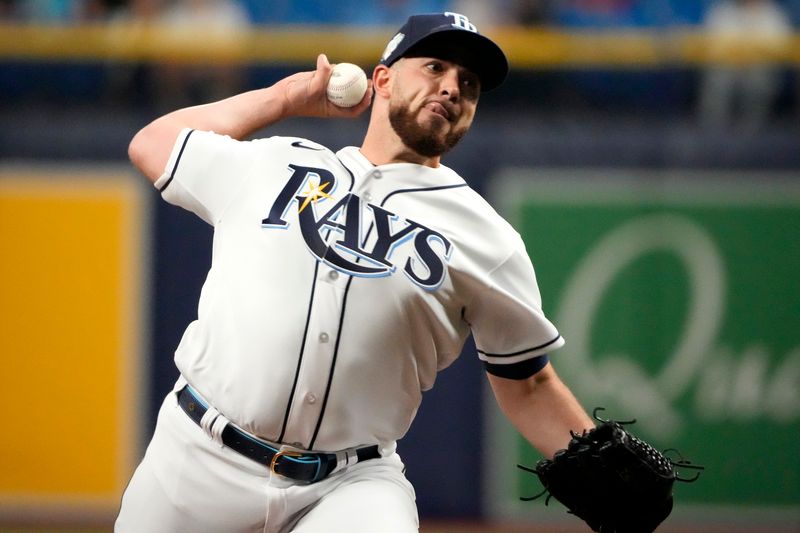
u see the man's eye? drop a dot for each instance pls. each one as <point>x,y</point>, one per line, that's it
<point>436,67</point>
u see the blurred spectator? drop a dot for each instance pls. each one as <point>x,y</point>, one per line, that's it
<point>747,40</point>
<point>385,12</point>
<point>168,83</point>
<point>532,12</point>
<point>206,15</point>
<point>625,13</point>
<point>484,13</point>
<point>133,82</point>
<point>136,12</point>
<point>48,11</point>
<point>6,9</point>
<point>599,13</point>
<point>340,12</point>
<point>487,13</point>
<point>62,12</point>
<point>222,20</point>
<point>100,10</point>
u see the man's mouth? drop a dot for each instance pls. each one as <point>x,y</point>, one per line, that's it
<point>439,109</point>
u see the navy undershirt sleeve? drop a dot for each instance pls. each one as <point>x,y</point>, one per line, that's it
<point>521,370</point>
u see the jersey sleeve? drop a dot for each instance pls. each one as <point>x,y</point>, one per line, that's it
<point>204,171</point>
<point>512,334</point>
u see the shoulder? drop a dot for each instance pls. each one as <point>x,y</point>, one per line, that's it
<point>280,150</point>
<point>466,216</point>
<point>476,207</point>
<point>209,144</point>
<point>296,145</point>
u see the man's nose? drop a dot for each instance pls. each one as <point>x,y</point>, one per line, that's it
<point>450,85</point>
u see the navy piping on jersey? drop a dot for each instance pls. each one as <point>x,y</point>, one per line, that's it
<point>305,335</point>
<point>422,189</point>
<point>333,364</point>
<point>344,304</point>
<point>546,344</point>
<point>302,350</point>
<point>177,160</point>
<point>338,337</point>
<point>352,177</point>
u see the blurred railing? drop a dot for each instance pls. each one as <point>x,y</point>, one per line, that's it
<point>526,48</point>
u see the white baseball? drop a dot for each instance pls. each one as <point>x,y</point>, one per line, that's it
<point>347,85</point>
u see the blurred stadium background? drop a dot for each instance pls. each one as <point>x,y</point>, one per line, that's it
<point>648,152</point>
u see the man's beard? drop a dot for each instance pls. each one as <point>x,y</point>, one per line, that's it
<point>421,140</point>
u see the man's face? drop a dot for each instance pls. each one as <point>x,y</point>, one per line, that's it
<point>433,103</point>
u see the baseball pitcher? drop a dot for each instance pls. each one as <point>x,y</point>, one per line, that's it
<point>341,283</point>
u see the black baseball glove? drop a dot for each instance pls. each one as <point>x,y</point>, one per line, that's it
<point>612,480</point>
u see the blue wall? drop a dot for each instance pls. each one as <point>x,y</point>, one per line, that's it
<point>546,119</point>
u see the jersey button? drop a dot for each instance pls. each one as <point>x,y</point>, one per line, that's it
<point>377,174</point>
<point>367,197</point>
<point>323,337</point>
<point>310,398</point>
<point>333,275</point>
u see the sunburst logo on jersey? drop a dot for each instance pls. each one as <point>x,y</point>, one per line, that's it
<point>314,194</point>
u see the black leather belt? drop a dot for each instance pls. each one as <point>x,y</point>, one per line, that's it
<point>300,466</point>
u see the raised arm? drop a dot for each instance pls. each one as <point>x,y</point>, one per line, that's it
<point>301,94</point>
<point>542,409</point>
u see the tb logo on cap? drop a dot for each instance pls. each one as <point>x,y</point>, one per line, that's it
<point>461,21</point>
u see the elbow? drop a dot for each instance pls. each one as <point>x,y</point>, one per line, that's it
<point>143,152</point>
<point>135,150</point>
<point>150,148</point>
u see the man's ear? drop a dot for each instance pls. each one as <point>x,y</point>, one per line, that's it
<point>382,81</point>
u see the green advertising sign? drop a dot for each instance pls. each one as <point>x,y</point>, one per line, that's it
<point>680,303</point>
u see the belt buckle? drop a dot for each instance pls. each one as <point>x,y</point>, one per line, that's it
<point>280,453</point>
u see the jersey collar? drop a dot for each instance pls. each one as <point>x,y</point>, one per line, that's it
<point>398,175</point>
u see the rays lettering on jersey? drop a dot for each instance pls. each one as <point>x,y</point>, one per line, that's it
<point>348,217</point>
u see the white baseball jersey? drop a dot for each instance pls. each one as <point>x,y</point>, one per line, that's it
<point>338,289</point>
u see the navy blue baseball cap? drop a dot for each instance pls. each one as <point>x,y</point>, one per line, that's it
<point>449,36</point>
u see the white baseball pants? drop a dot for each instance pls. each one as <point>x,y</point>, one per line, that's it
<point>187,482</point>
